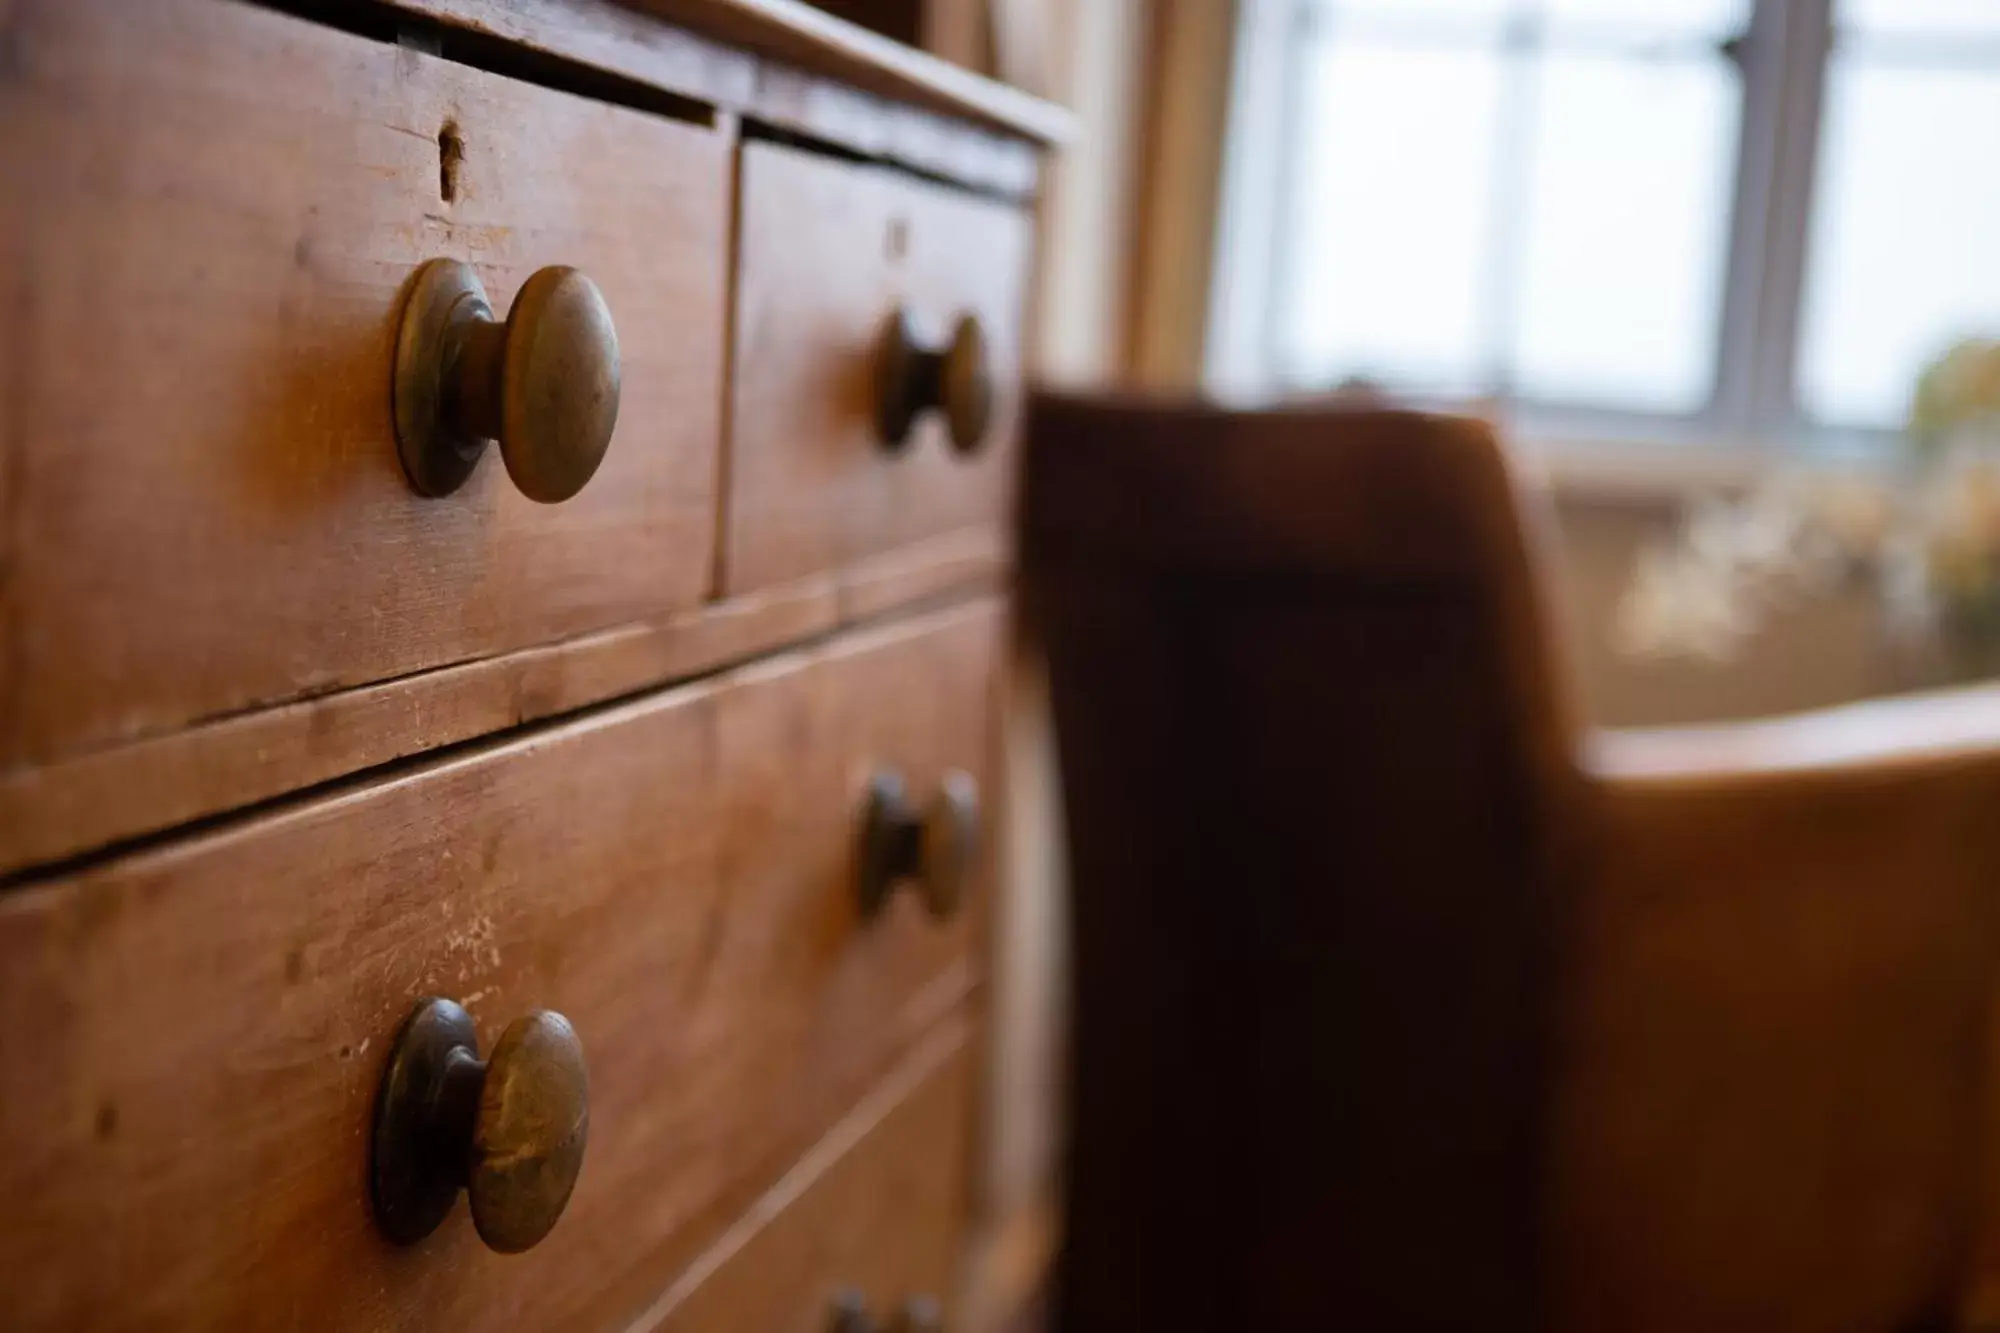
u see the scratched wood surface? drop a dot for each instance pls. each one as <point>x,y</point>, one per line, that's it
<point>214,210</point>
<point>194,1035</point>
<point>809,485</point>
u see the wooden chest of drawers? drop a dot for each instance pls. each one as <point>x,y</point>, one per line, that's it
<point>287,746</point>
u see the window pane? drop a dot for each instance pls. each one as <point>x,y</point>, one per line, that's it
<point>1626,231</point>
<point>1455,19</point>
<point>1677,15</point>
<point>1906,241</point>
<point>1943,16</point>
<point>1695,18</point>
<point>1388,233</point>
<point>1416,22</point>
<point>1339,10</point>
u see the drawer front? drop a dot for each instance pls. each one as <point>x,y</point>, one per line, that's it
<point>221,211</point>
<point>195,1035</point>
<point>874,1215</point>
<point>829,251</point>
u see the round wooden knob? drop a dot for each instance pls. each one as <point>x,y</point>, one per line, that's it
<point>509,1130</point>
<point>544,383</point>
<point>911,378</point>
<point>935,848</point>
<point>921,1314</point>
<point>850,1314</point>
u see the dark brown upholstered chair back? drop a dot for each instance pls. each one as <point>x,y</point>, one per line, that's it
<point>1402,1004</point>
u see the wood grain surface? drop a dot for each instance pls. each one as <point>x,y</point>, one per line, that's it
<point>809,485</point>
<point>797,34</point>
<point>877,1207</point>
<point>80,804</point>
<point>218,209</point>
<point>616,39</point>
<point>194,1035</point>
<point>788,38</point>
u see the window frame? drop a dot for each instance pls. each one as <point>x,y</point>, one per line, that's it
<point>1782,57</point>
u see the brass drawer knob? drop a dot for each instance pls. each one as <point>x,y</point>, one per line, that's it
<point>544,383</point>
<point>850,1314</point>
<point>920,1314</point>
<point>509,1130</point>
<point>911,378</point>
<point>936,848</point>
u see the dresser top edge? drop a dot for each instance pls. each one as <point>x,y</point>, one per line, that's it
<point>749,56</point>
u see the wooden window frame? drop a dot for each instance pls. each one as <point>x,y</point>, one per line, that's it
<point>1783,55</point>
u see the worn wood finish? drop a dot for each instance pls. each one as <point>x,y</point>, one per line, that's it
<point>810,485</point>
<point>221,206</point>
<point>194,1035</point>
<point>80,804</point>
<point>878,1206</point>
<point>796,34</point>
<point>788,38</point>
<point>839,114</point>
<point>1400,1003</point>
<point>612,38</point>
<point>608,37</point>
<point>970,558</point>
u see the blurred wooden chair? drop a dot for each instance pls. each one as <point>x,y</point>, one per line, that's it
<point>1400,1002</point>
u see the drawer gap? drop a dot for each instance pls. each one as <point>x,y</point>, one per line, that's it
<point>380,21</point>
<point>913,615</point>
<point>34,872</point>
<point>763,131</point>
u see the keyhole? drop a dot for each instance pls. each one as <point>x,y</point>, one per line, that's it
<point>898,243</point>
<point>451,152</point>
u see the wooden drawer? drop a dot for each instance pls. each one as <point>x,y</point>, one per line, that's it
<point>877,1209</point>
<point>194,1034</point>
<point>211,215</point>
<point>829,250</point>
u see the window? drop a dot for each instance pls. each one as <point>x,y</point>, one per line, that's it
<point>1738,218</point>
<point>1905,237</point>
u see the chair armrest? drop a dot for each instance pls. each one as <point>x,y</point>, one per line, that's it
<point>1776,1036</point>
<point>1911,732</point>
